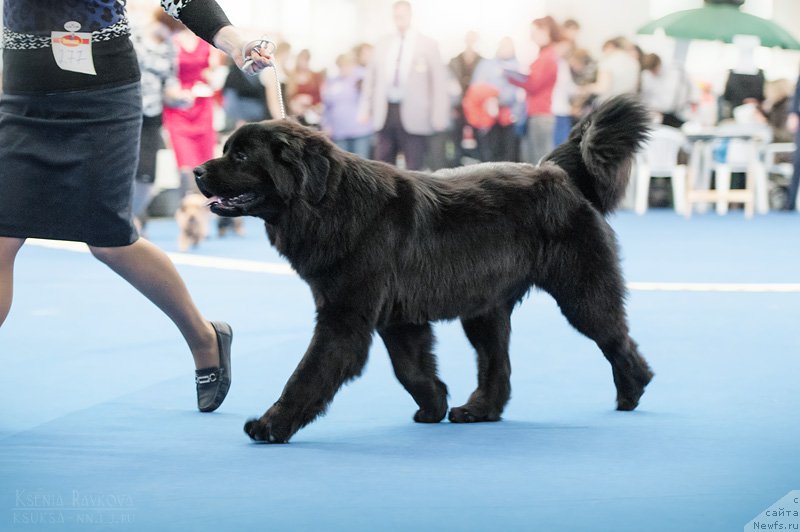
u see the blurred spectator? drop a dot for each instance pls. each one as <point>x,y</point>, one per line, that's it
<point>405,92</point>
<point>745,83</point>
<point>244,99</point>
<point>492,106</point>
<point>741,87</point>
<point>665,91</point>
<point>157,62</point>
<point>462,67</point>
<point>584,73</point>
<point>341,95</point>
<point>777,107</point>
<point>188,115</point>
<point>363,55</point>
<point>303,87</point>
<point>569,33</point>
<point>538,85</point>
<point>617,71</point>
<point>583,66</point>
<point>564,92</point>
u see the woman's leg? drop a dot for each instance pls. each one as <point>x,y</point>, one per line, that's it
<point>8,252</point>
<point>149,270</point>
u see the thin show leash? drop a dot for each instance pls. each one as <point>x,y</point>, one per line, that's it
<point>268,47</point>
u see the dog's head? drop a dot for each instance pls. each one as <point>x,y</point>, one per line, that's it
<point>265,167</point>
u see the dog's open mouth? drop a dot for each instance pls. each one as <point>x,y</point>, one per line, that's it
<point>234,206</point>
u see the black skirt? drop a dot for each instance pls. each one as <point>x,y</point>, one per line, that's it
<point>67,164</point>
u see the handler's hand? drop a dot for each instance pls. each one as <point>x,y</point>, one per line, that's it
<point>232,41</point>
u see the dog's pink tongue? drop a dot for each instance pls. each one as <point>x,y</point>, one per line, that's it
<point>212,200</point>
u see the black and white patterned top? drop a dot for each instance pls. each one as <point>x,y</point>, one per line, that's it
<point>27,25</point>
<point>158,62</point>
<point>28,63</point>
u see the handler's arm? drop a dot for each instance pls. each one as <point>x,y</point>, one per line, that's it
<point>209,22</point>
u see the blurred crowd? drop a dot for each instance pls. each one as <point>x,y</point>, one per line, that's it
<point>398,100</point>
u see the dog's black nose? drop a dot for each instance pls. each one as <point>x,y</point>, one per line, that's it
<point>199,172</point>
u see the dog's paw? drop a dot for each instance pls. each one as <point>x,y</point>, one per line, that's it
<point>263,431</point>
<point>426,416</point>
<point>269,428</point>
<point>434,413</point>
<point>471,414</point>
<point>630,388</point>
<point>626,404</point>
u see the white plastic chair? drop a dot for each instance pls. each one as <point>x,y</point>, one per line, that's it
<point>742,155</point>
<point>659,158</point>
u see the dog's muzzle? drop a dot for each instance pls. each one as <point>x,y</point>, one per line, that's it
<point>199,173</point>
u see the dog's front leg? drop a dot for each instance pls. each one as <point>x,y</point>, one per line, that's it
<point>337,353</point>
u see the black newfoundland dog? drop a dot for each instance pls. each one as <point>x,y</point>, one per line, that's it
<point>391,251</point>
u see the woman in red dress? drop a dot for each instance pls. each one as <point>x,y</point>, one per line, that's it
<point>189,113</point>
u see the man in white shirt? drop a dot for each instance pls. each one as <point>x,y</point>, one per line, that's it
<point>405,92</point>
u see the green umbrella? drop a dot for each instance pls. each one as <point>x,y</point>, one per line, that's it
<point>721,23</point>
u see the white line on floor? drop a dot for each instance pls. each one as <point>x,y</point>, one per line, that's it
<point>276,268</point>
<point>716,287</point>
<point>186,259</point>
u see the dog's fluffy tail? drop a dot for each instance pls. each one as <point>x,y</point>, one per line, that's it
<point>599,152</point>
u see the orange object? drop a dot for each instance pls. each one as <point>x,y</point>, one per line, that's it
<point>477,112</point>
<point>474,105</point>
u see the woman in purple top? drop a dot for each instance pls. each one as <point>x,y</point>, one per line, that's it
<point>341,95</point>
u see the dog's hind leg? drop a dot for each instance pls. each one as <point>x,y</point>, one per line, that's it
<point>410,348</point>
<point>489,335</point>
<point>591,297</point>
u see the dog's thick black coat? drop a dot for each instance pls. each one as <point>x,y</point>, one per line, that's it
<point>391,251</point>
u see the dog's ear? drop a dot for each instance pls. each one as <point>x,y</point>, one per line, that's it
<point>316,166</point>
<point>283,172</point>
<point>305,166</point>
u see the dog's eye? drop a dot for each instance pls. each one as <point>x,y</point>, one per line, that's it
<point>239,157</point>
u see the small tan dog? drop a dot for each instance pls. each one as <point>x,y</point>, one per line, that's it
<point>193,218</point>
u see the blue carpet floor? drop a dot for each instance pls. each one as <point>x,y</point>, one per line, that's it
<point>98,428</point>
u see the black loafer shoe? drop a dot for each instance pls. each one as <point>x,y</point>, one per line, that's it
<point>213,383</point>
